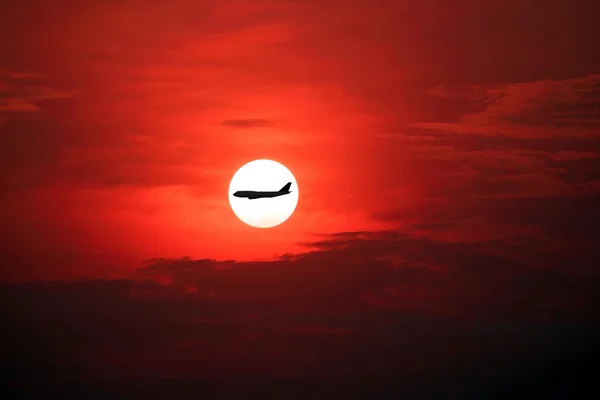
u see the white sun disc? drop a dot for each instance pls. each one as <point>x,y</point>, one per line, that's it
<point>255,207</point>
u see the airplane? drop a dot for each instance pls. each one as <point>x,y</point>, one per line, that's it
<point>259,195</point>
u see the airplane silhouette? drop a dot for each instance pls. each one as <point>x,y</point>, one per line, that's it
<point>259,195</point>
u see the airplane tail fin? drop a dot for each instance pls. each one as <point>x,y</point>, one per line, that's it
<point>286,188</point>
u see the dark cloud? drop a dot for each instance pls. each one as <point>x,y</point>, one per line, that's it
<point>492,108</point>
<point>574,217</point>
<point>580,170</point>
<point>368,307</point>
<point>459,278</point>
<point>478,142</point>
<point>571,218</point>
<point>22,92</point>
<point>535,139</point>
<point>247,123</point>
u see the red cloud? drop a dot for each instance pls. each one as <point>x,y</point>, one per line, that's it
<point>21,92</point>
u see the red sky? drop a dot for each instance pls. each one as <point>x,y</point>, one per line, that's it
<point>447,155</point>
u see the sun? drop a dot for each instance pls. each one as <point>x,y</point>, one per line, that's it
<point>263,176</point>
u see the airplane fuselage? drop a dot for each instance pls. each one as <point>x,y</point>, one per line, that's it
<point>258,195</point>
<point>251,194</point>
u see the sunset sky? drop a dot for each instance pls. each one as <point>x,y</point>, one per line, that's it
<point>447,155</point>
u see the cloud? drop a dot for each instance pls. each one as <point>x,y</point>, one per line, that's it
<point>571,104</point>
<point>512,149</point>
<point>501,141</point>
<point>536,140</point>
<point>246,123</point>
<point>22,92</point>
<point>568,218</point>
<point>575,169</point>
<point>379,306</point>
<point>340,272</point>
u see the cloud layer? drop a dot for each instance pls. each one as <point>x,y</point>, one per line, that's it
<point>21,93</point>
<point>376,309</point>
